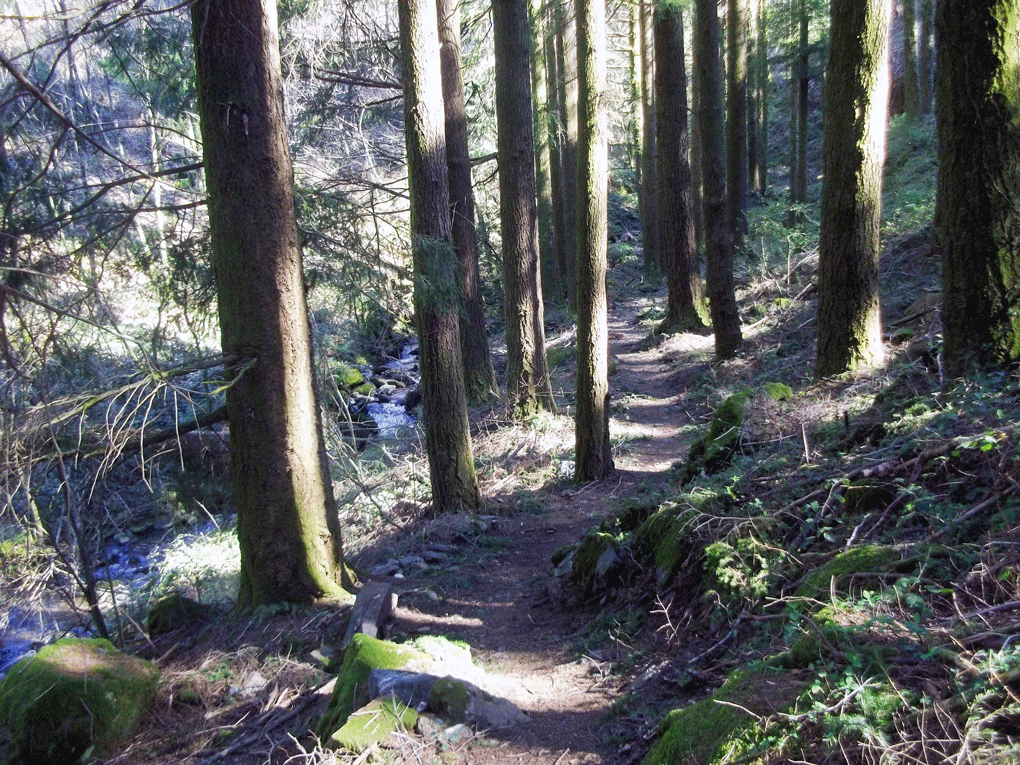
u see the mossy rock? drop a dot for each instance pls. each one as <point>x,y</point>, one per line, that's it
<point>348,377</point>
<point>73,697</point>
<point>351,691</point>
<point>174,611</point>
<point>714,450</point>
<point>373,724</point>
<point>845,566</point>
<point>709,732</point>
<point>597,562</point>
<point>777,391</point>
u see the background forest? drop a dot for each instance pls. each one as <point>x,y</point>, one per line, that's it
<point>801,555</point>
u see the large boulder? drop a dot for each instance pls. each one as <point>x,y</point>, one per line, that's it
<point>73,697</point>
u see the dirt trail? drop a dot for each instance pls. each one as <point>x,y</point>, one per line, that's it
<point>499,604</point>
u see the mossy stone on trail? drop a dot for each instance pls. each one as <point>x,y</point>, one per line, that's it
<point>708,732</point>
<point>596,562</point>
<point>73,696</point>
<point>348,377</point>
<point>372,724</point>
<point>845,566</point>
<point>351,691</point>
<point>713,451</point>
<point>777,391</point>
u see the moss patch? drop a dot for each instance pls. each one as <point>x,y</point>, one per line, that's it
<point>596,561</point>
<point>713,451</point>
<point>362,656</point>
<point>845,566</point>
<point>174,611</point>
<point>373,724</point>
<point>72,696</point>
<point>708,731</point>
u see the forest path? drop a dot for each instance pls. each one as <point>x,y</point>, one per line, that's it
<point>555,664</point>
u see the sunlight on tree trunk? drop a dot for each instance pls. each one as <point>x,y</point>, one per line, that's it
<point>287,522</point>
<point>479,377</point>
<point>856,93</point>
<point>436,291</point>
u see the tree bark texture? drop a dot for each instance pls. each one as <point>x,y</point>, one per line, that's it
<point>853,152</point>
<point>803,111</point>
<point>566,65</point>
<point>527,386</point>
<point>647,203</point>
<point>479,378</point>
<point>911,93</point>
<point>555,291</point>
<point>685,309</point>
<point>287,522</point>
<point>760,175</point>
<point>926,10</point>
<point>593,455</point>
<point>436,289</point>
<point>977,102</point>
<point>547,256</point>
<point>718,252</point>
<point>754,96</point>
<point>736,121</point>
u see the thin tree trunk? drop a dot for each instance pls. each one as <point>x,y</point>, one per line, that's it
<point>527,384</point>
<point>593,455</point>
<point>753,96</point>
<point>436,291</point>
<point>567,66</point>
<point>804,84</point>
<point>648,143</point>
<point>555,291</point>
<point>924,61</point>
<point>736,121</point>
<point>696,159</point>
<point>287,521</point>
<point>762,75</point>
<point>911,92</point>
<point>718,253</point>
<point>479,377</point>
<point>547,257</point>
<point>856,93</point>
<point>685,308</point>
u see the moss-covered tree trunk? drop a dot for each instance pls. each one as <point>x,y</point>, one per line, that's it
<point>685,307</point>
<point>287,522</point>
<point>436,289</point>
<point>479,377</point>
<point>853,152</point>
<point>650,249</point>
<point>718,252</point>
<point>593,455</point>
<point>977,95</point>
<point>527,384</point>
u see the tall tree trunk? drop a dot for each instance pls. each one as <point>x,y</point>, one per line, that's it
<point>566,64</point>
<point>760,179</point>
<point>696,160</point>
<point>685,309</point>
<point>736,121</point>
<point>977,102</point>
<point>436,291</point>
<point>649,247</point>
<point>793,71</point>
<point>527,384</point>
<point>803,85</point>
<point>593,455</point>
<point>555,291</point>
<point>924,59</point>
<point>479,377</point>
<point>911,93</point>
<point>287,522</point>
<point>547,256</point>
<point>718,253</point>
<point>856,93</point>
<point>754,96</point>
<point>634,113</point>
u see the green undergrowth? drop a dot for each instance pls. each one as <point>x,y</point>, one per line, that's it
<point>881,568</point>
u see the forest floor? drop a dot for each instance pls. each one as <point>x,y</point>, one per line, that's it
<point>555,662</point>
